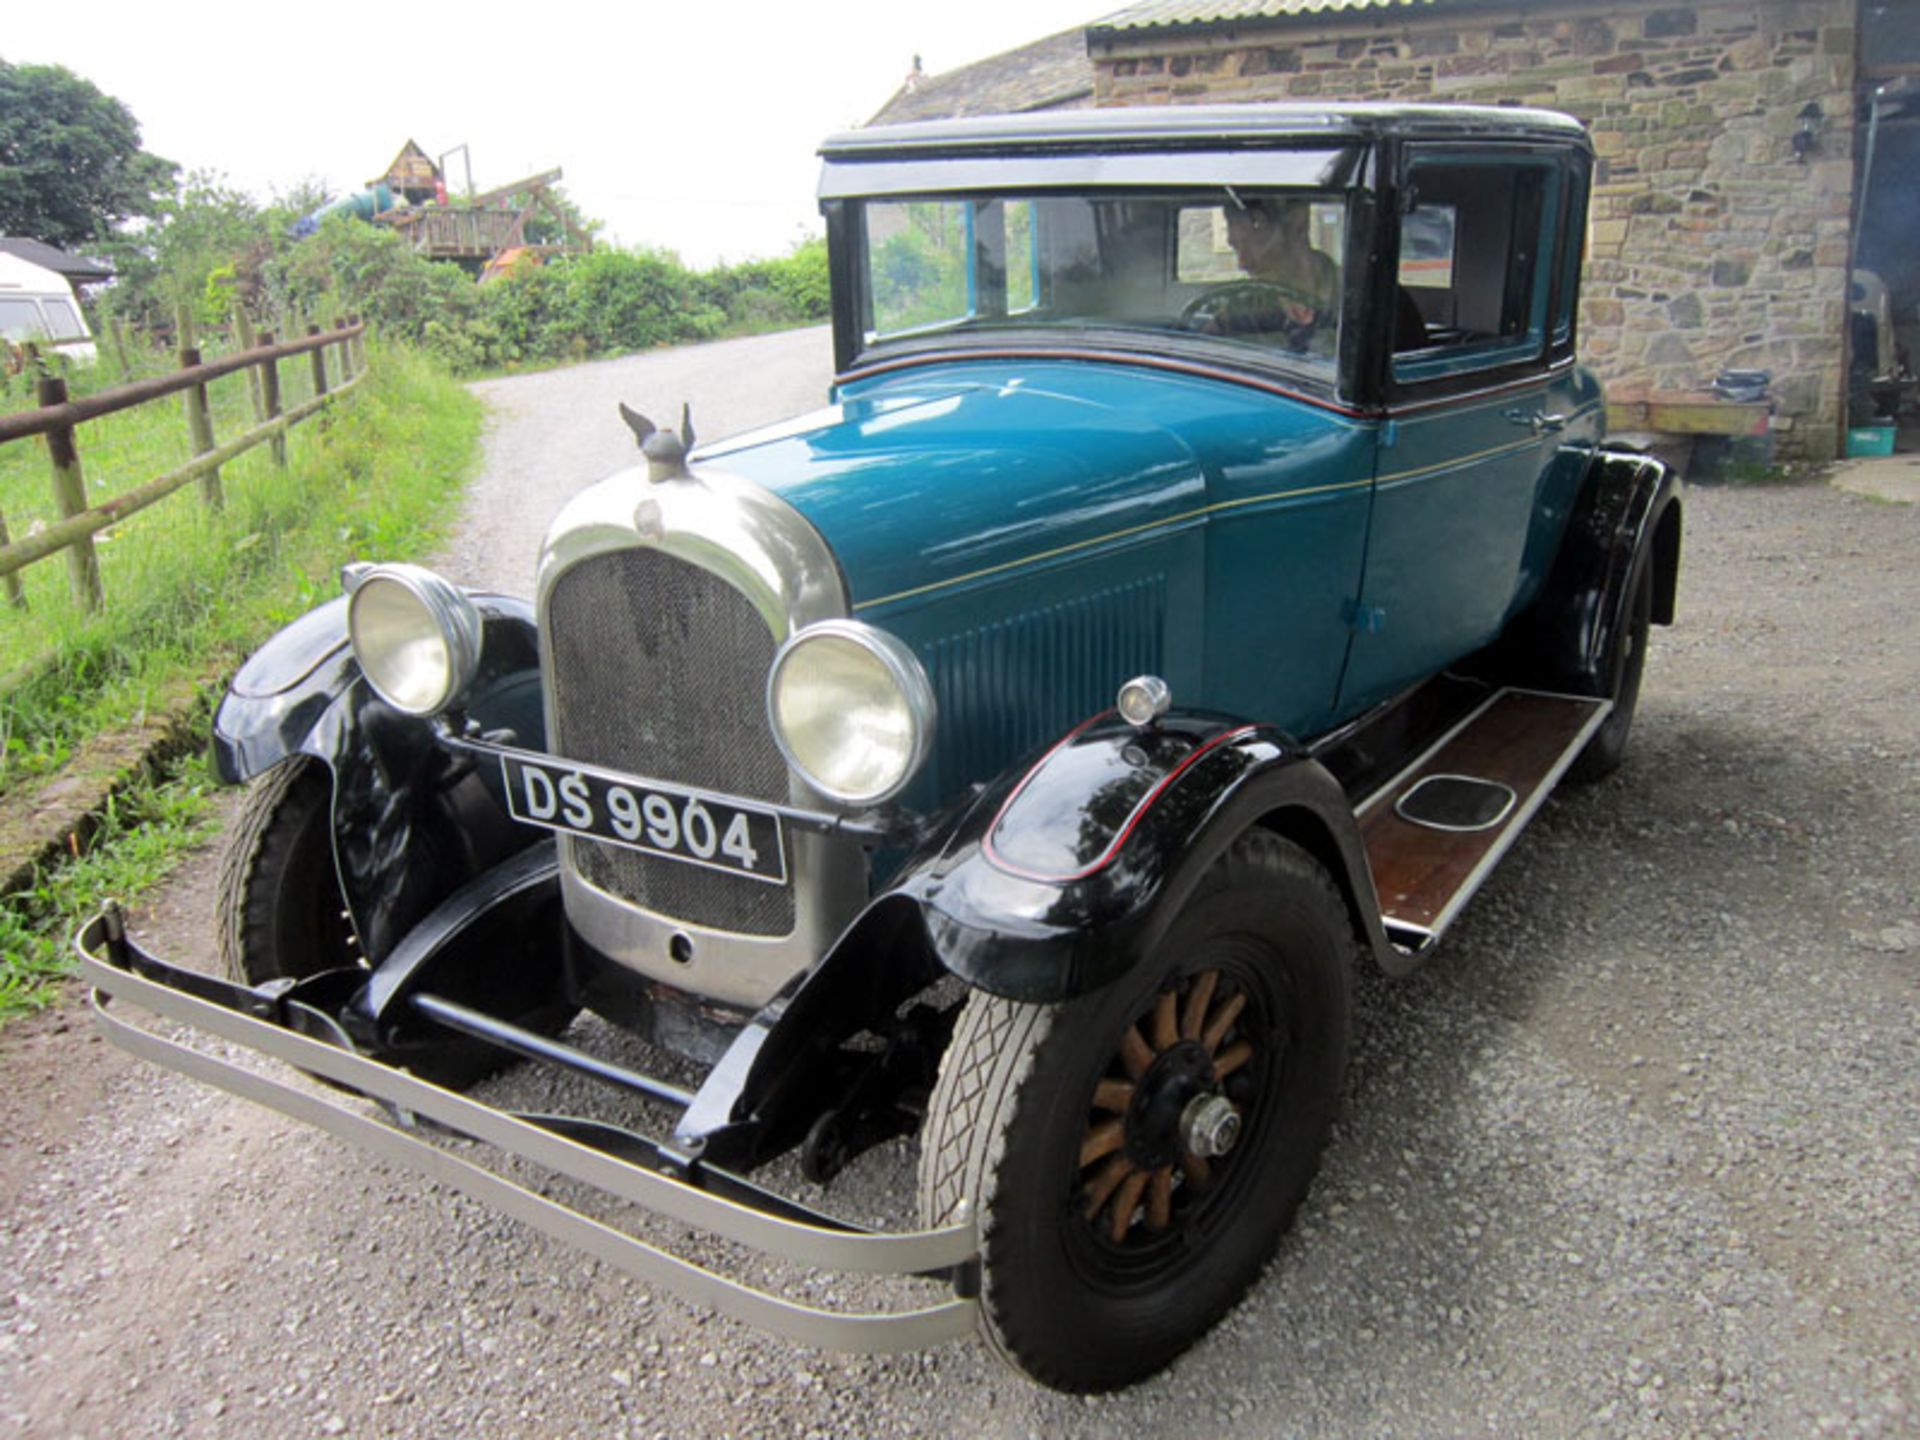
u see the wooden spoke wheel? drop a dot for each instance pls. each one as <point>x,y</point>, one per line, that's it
<point>1134,1154</point>
<point>1170,1109</point>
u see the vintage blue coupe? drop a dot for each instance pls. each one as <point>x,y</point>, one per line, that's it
<point>1207,563</point>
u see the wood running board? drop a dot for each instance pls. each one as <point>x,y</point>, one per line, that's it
<point>1423,874</point>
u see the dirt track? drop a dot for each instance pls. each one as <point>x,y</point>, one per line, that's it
<point>1637,1153</point>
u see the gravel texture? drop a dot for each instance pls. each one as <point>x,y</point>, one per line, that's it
<point>1637,1153</point>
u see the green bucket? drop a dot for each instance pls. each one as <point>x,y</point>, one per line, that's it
<point>1869,440</point>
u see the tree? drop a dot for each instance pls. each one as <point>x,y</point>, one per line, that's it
<point>71,166</point>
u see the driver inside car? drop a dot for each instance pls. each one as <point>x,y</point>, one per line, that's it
<point>1292,291</point>
<point>1271,241</point>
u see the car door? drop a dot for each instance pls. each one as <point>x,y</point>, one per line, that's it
<point>1470,484</point>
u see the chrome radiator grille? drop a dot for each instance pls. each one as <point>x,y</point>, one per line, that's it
<point>659,667</point>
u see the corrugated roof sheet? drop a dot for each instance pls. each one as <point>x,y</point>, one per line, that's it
<point>1163,14</point>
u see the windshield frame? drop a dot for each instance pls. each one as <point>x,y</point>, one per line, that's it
<point>1330,172</point>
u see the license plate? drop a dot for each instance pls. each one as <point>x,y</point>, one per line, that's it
<point>693,826</point>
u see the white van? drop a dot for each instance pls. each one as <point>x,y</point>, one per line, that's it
<point>38,304</point>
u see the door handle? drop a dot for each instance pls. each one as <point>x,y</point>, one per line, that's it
<point>1537,421</point>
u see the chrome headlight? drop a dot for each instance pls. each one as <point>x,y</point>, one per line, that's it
<point>851,710</point>
<point>416,636</point>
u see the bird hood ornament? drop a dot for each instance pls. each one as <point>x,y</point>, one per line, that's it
<point>666,452</point>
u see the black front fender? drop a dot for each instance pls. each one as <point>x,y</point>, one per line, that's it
<point>411,820</point>
<point>1063,875</point>
<point>1053,881</point>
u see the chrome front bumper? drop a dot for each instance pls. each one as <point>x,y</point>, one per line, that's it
<point>121,974</point>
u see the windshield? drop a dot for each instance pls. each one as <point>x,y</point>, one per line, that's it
<point>1254,269</point>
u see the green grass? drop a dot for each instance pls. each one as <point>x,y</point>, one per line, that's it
<point>143,835</point>
<point>190,590</point>
<point>190,593</point>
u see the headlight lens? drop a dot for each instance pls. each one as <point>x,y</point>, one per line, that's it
<point>851,710</point>
<point>416,636</point>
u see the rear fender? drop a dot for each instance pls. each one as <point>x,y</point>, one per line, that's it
<point>1626,519</point>
<point>411,821</point>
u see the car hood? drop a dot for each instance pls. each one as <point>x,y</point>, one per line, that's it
<point>948,473</point>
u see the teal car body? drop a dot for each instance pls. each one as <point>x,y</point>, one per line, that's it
<point>1033,527</point>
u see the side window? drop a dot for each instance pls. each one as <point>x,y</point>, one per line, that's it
<point>62,321</point>
<point>1573,235</point>
<point>1426,249</point>
<point>1477,244</point>
<point>20,319</point>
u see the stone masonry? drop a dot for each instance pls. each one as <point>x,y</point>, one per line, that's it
<point>1711,246</point>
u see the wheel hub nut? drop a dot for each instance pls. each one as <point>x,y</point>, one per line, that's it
<point>1210,1125</point>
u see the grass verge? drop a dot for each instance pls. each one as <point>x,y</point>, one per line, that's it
<point>191,590</point>
<point>143,834</point>
<point>189,597</point>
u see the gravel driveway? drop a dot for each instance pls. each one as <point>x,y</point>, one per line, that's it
<point>1638,1152</point>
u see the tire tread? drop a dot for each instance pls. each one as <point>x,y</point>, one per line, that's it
<point>269,823</point>
<point>996,1044</point>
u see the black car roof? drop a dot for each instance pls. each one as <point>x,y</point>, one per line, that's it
<point>1200,127</point>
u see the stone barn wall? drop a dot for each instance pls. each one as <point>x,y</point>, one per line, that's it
<point>1711,245</point>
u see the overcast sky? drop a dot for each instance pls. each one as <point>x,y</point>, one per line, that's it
<point>690,126</point>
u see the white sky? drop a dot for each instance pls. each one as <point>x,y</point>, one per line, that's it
<point>690,126</point>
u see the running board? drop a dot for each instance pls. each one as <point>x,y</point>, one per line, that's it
<point>1436,830</point>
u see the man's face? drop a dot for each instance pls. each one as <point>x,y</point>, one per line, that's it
<point>1258,236</point>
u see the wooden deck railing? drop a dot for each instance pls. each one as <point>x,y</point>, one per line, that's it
<point>58,417</point>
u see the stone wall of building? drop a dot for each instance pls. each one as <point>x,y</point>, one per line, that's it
<point>1711,246</point>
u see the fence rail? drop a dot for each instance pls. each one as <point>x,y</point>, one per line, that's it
<point>58,417</point>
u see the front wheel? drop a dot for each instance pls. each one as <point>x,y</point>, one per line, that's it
<point>1135,1154</point>
<point>280,911</point>
<point>282,915</point>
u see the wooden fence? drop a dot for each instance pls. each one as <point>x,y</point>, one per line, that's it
<point>58,417</point>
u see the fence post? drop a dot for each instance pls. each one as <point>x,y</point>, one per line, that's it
<point>200,427</point>
<point>243,327</point>
<point>319,353</point>
<point>16,596</point>
<point>346,352</point>
<point>117,331</point>
<point>270,397</point>
<point>70,497</point>
<point>359,343</point>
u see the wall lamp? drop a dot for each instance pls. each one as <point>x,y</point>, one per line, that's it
<point>1806,134</point>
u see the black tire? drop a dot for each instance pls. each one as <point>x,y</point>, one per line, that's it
<point>1608,747</point>
<point>282,914</point>
<point>1076,1293</point>
<point>280,910</point>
